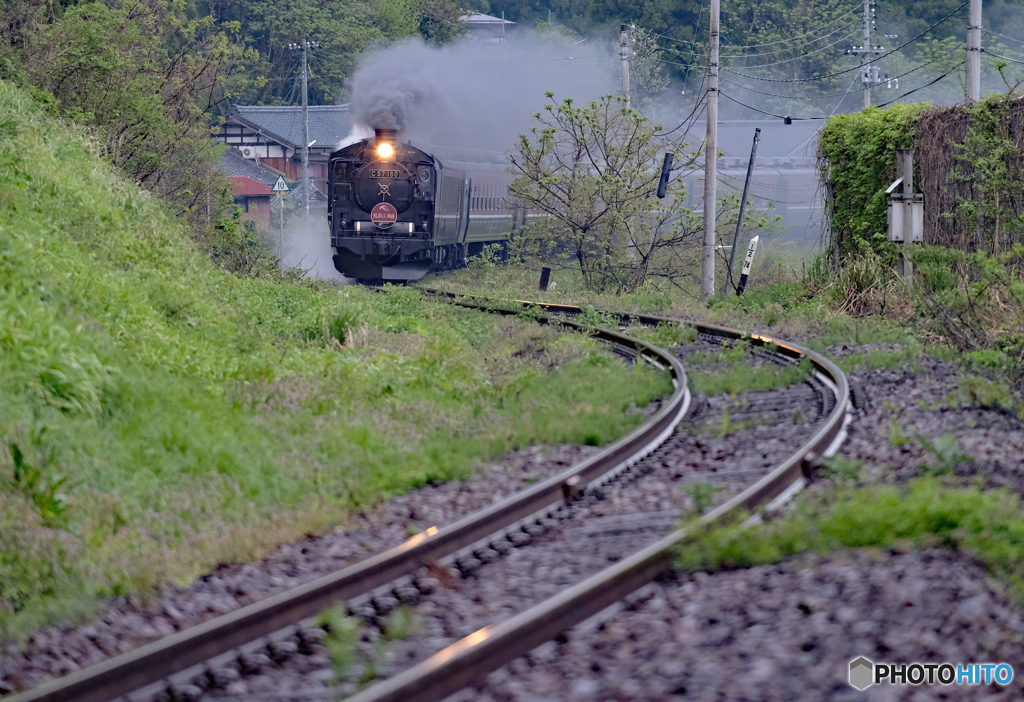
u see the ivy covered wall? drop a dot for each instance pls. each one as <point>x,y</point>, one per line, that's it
<point>968,162</point>
<point>857,162</point>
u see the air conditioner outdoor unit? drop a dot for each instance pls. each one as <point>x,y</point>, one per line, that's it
<point>248,152</point>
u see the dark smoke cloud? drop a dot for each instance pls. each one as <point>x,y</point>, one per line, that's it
<point>475,94</point>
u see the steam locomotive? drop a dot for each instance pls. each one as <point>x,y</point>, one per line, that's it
<point>396,212</point>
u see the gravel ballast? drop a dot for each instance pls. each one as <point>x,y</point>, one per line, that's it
<point>776,632</point>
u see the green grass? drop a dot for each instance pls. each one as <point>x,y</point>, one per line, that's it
<point>986,525</point>
<point>739,377</point>
<point>159,415</point>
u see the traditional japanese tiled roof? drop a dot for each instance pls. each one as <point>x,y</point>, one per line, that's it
<point>328,124</point>
<point>234,164</point>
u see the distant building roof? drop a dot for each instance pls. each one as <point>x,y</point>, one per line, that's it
<point>328,124</point>
<point>247,187</point>
<point>484,19</point>
<point>486,27</point>
<point>235,165</point>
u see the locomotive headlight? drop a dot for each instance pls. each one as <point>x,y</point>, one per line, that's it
<point>384,150</point>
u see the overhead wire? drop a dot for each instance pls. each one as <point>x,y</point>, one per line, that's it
<point>781,51</point>
<point>770,114</point>
<point>735,187</point>
<point>1002,36</point>
<point>799,36</point>
<point>767,53</point>
<point>884,104</point>
<point>922,87</point>
<point>795,58</point>
<point>1004,58</point>
<point>855,68</point>
<point>819,97</point>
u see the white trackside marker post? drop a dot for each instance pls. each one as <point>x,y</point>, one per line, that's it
<point>281,187</point>
<point>746,265</point>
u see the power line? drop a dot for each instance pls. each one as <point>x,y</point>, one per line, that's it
<point>926,85</point>
<point>855,68</point>
<point>769,199</point>
<point>884,104</point>
<point>819,97</point>
<point>696,22</point>
<point>770,114</point>
<point>1002,36</point>
<point>757,55</point>
<point>782,51</point>
<point>799,36</point>
<point>754,46</point>
<point>797,58</point>
<point>789,97</point>
<point>677,51</point>
<point>695,114</point>
<point>1004,58</point>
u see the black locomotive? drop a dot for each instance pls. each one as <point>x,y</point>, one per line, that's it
<point>396,212</point>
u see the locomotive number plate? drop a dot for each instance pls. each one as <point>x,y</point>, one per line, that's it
<point>385,174</point>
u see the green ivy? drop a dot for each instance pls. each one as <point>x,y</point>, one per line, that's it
<point>857,157</point>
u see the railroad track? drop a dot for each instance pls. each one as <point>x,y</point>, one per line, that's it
<point>168,668</point>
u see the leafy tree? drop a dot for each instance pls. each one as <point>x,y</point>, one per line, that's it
<point>145,80</point>
<point>342,28</point>
<point>593,171</point>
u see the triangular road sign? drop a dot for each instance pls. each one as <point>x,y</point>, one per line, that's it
<point>281,186</point>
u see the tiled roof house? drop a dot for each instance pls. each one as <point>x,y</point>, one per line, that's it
<point>272,136</point>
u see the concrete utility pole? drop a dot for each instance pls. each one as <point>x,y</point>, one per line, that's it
<point>707,284</point>
<point>305,127</point>
<point>304,47</point>
<point>974,52</point>
<point>624,55</point>
<point>869,75</point>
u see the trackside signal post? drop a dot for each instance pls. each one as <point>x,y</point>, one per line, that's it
<point>906,211</point>
<point>281,187</point>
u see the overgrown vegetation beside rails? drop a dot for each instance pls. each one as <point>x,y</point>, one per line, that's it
<point>779,265</point>
<point>986,525</point>
<point>967,163</point>
<point>857,161</point>
<point>158,415</point>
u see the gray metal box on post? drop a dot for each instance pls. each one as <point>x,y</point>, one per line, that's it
<point>905,215</point>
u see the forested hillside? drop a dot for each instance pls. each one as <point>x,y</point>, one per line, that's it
<point>790,56</point>
<point>151,78</point>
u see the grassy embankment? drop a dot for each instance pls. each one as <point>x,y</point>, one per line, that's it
<point>985,525</point>
<point>159,415</point>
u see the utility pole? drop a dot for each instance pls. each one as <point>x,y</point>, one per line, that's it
<point>743,206</point>
<point>869,75</point>
<point>624,55</point>
<point>974,52</point>
<point>707,283</point>
<point>304,47</point>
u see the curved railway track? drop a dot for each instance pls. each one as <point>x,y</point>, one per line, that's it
<point>275,625</point>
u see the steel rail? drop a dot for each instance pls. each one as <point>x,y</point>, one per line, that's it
<point>486,650</point>
<point>157,661</point>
